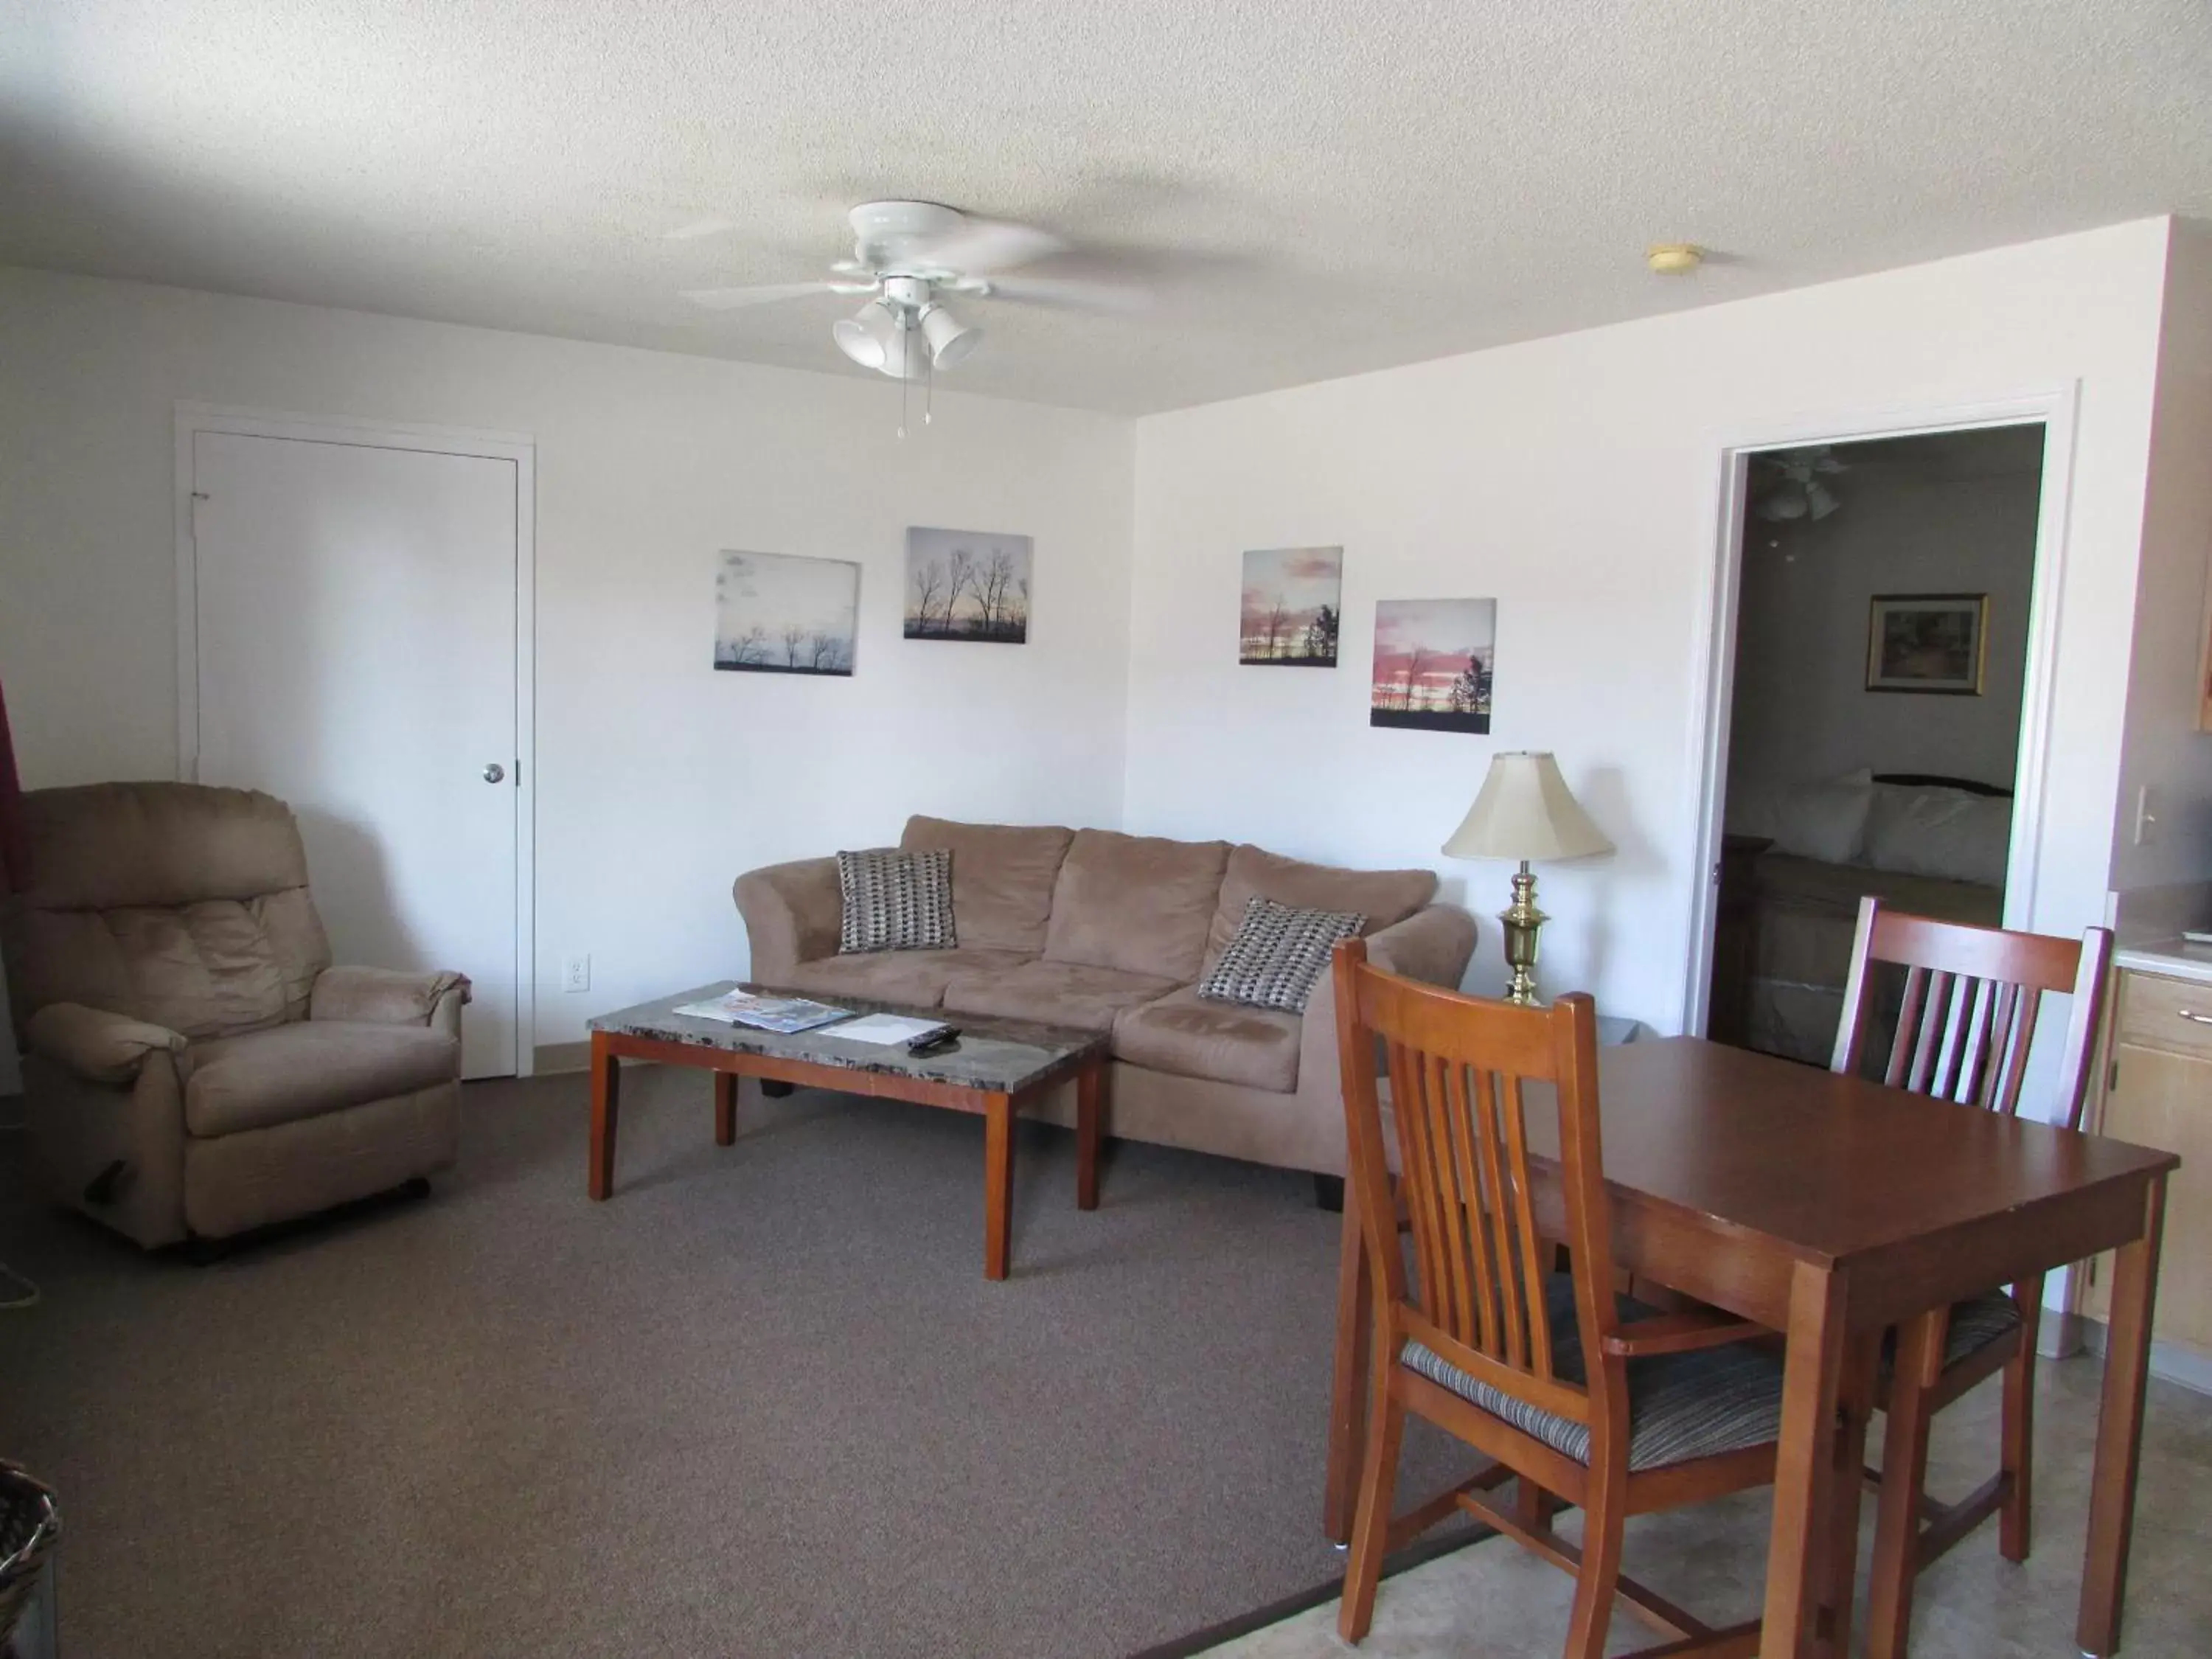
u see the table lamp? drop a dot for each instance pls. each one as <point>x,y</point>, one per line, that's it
<point>1525,811</point>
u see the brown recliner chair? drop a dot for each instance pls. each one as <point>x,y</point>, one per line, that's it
<point>195,1067</point>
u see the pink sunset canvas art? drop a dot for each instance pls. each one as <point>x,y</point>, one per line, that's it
<point>1433,659</point>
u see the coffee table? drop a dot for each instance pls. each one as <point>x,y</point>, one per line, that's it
<point>997,1066</point>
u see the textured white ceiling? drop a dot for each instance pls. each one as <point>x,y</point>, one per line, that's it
<point>1315,189</point>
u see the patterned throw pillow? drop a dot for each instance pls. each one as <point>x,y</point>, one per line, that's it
<point>895,902</point>
<point>1278,952</point>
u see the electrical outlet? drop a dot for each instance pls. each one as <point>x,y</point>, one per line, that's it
<point>576,973</point>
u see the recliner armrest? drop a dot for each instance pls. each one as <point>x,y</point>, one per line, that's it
<point>382,996</point>
<point>792,912</point>
<point>96,1045</point>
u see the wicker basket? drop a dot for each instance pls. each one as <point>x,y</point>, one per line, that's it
<point>28,1530</point>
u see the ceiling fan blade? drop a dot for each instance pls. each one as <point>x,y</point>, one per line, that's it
<point>1072,294</point>
<point>730,299</point>
<point>980,246</point>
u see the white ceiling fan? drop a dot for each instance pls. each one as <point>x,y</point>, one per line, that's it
<point>1794,491</point>
<point>907,257</point>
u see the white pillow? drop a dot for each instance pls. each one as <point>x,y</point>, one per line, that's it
<point>1823,821</point>
<point>1924,830</point>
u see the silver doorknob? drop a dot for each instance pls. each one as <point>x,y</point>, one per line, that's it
<point>495,773</point>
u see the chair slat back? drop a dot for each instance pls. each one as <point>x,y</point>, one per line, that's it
<point>1458,1122</point>
<point>1971,1002</point>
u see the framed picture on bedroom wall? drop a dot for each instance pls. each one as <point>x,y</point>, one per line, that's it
<point>1932,642</point>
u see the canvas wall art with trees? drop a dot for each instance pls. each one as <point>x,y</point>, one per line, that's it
<point>1292,600</point>
<point>1432,664</point>
<point>967,585</point>
<point>778,613</point>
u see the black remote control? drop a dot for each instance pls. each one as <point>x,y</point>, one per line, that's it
<point>935,1043</point>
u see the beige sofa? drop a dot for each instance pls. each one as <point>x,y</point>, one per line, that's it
<point>1111,933</point>
<point>194,1066</point>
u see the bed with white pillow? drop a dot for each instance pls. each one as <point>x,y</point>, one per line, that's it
<point>1936,847</point>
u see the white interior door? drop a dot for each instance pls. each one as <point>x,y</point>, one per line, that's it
<point>354,624</point>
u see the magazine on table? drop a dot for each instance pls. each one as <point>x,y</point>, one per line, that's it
<point>779,1014</point>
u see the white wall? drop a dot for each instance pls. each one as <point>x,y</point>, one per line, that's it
<point>658,780</point>
<point>1801,708</point>
<point>1577,479</point>
<point>2163,747</point>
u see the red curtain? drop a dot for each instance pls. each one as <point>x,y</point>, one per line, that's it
<point>15,866</point>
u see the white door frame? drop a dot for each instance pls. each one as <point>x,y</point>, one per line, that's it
<point>192,419</point>
<point>1714,655</point>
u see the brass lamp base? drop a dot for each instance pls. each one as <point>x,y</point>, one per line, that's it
<point>1523,922</point>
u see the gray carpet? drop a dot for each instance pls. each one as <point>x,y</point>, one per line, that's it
<point>761,1403</point>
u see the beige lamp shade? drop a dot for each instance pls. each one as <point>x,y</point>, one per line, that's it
<point>1526,811</point>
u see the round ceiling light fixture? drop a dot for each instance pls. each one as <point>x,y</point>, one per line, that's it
<point>1673,258</point>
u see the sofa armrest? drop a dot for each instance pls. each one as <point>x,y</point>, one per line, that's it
<point>792,913</point>
<point>385,996</point>
<point>97,1046</point>
<point>1434,945</point>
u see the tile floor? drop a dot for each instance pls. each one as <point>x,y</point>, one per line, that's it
<point>1495,1600</point>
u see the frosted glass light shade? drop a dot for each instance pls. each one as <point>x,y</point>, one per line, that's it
<point>867,336</point>
<point>950,339</point>
<point>1526,811</point>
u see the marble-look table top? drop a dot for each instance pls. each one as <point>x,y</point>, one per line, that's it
<point>1003,1057</point>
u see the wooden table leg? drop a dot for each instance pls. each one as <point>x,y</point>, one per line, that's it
<point>1089,1113</point>
<point>725,1109</point>
<point>1804,1462</point>
<point>1847,1471</point>
<point>2119,1433</point>
<point>998,1184</point>
<point>1896,1562</point>
<point>1348,1406</point>
<point>606,1089</point>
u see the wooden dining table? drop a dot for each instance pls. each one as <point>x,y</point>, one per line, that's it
<point>1830,1209</point>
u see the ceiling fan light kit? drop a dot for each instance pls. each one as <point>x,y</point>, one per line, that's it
<point>907,258</point>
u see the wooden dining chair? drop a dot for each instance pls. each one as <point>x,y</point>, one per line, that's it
<point>1971,997</point>
<point>1494,1114</point>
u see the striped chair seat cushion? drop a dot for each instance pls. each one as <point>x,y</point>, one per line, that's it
<point>1680,1406</point>
<point>1975,1323</point>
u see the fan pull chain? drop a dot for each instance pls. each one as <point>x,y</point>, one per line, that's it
<point>928,385</point>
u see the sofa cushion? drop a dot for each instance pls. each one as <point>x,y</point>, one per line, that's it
<point>1002,877</point>
<point>895,902</point>
<point>307,1068</point>
<point>1182,1034</point>
<point>1385,898</point>
<point>915,978</point>
<point>1139,903</point>
<point>1071,993</point>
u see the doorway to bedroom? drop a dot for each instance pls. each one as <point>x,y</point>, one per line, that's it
<point>1882,651</point>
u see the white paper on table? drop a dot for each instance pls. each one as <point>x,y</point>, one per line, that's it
<point>884,1028</point>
